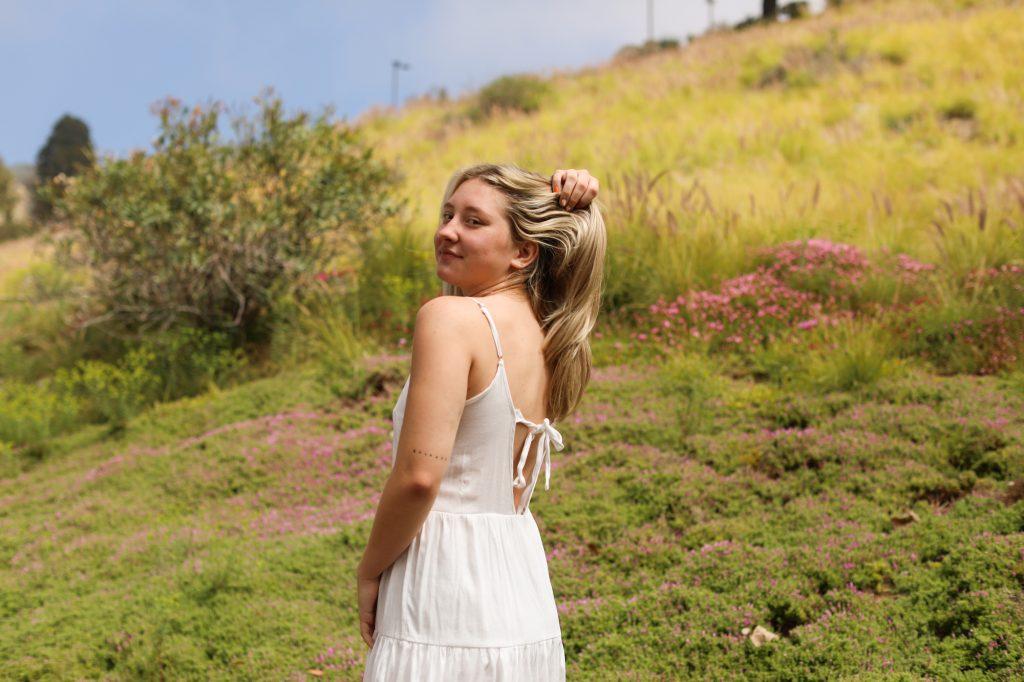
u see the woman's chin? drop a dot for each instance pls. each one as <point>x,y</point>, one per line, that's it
<point>445,276</point>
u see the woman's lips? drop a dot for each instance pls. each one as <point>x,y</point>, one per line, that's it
<point>445,254</point>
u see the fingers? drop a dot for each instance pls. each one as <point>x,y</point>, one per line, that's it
<point>577,192</point>
<point>567,183</point>
<point>563,182</point>
<point>577,188</point>
<point>366,630</point>
<point>556,180</point>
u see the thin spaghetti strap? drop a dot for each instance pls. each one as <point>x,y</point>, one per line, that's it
<point>490,322</point>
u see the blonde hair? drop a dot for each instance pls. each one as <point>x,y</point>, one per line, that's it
<point>564,283</point>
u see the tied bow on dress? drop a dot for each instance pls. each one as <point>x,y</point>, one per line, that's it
<point>548,434</point>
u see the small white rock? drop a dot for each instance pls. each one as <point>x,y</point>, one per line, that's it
<point>761,636</point>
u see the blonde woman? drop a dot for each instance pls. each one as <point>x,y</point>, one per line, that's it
<point>453,584</point>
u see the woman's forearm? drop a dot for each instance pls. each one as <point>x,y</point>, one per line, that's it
<point>402,509</point>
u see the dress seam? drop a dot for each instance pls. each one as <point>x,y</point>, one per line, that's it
<point>470,646</point>
<point>482,513</point>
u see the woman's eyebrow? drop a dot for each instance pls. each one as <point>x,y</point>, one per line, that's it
<point>469,207</point>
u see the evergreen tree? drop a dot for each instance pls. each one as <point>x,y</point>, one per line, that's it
<point>68,150</point>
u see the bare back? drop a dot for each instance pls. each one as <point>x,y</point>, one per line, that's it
<point>521,341</point>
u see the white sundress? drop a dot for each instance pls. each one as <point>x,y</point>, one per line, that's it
<point>470,598</point>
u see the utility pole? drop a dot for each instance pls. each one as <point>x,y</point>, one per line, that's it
<point>650,20</point>
<point>396,66</point>
<point>711,14</point>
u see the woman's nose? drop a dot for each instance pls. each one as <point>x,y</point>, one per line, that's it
<point>447,232</point>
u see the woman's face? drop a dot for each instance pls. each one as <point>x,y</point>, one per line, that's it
<point>473,228</point>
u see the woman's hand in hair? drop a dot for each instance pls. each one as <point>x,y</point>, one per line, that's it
<point>577,187</point>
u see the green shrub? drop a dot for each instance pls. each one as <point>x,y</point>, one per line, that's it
<point>936,487</point>
<point>110,393</point>
<point>648,47</point>
<point>169,365</point>
<point>968,443</point>
<point>963,336</point>
<point>30,413</point>
<point>318,328</point>
<point>395,277</point>
<point>959,108</point>
<point>895,53</point>
<point>380,297</point>
<point>523,93</point>
<point>339,348</point>
<point>778,363</point>
<point>186,361</point>
<point>857,355</point>
<point>9,227</point>
<point>207,234</point>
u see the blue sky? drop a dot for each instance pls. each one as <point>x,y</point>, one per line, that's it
<point>108,61</point>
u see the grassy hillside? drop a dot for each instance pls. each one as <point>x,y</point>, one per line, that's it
<point>865,510</point>
<point>219,536</point>
<point>854,125</point>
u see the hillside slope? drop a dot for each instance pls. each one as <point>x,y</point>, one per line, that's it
<point>878,534</point>
<point>854,125</point>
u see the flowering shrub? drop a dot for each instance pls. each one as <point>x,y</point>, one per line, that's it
<point>799,286</point>
<point>830,270</point>
<point>796,286</point>
<point>1006,282</point>
<point>750,310</point>
<point>984,344</point>
<point>983,336</point>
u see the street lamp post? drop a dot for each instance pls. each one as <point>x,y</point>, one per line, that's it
<point>396,66</point>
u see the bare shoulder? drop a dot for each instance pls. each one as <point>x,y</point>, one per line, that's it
<point>448,315</point>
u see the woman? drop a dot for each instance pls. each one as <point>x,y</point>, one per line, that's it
<point>453,584</point>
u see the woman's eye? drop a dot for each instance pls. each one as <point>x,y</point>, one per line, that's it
<point>448,216</point>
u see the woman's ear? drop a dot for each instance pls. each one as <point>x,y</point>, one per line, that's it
<point>525,254</point>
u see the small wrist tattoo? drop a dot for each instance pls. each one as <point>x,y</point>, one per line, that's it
<point>424,452</point>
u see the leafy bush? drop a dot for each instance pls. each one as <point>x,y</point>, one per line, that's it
<point>964,337</point>
<point>968,443</point>
<point>29,413</point>
<point>518,93</point>
<point>648,47</point>
<point>763,67</point>
<point>110,393</point>
<point>380,298</point>
<point>206,234</point>
<point>163,367</point>
<point>186,361</point>
<point>959,108</point>
<point>340,350</point>
<point>797,66</point>
<point>856,355</point>
<point>395,277</point>
<point>895,52</point>
<point>782,364</point>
